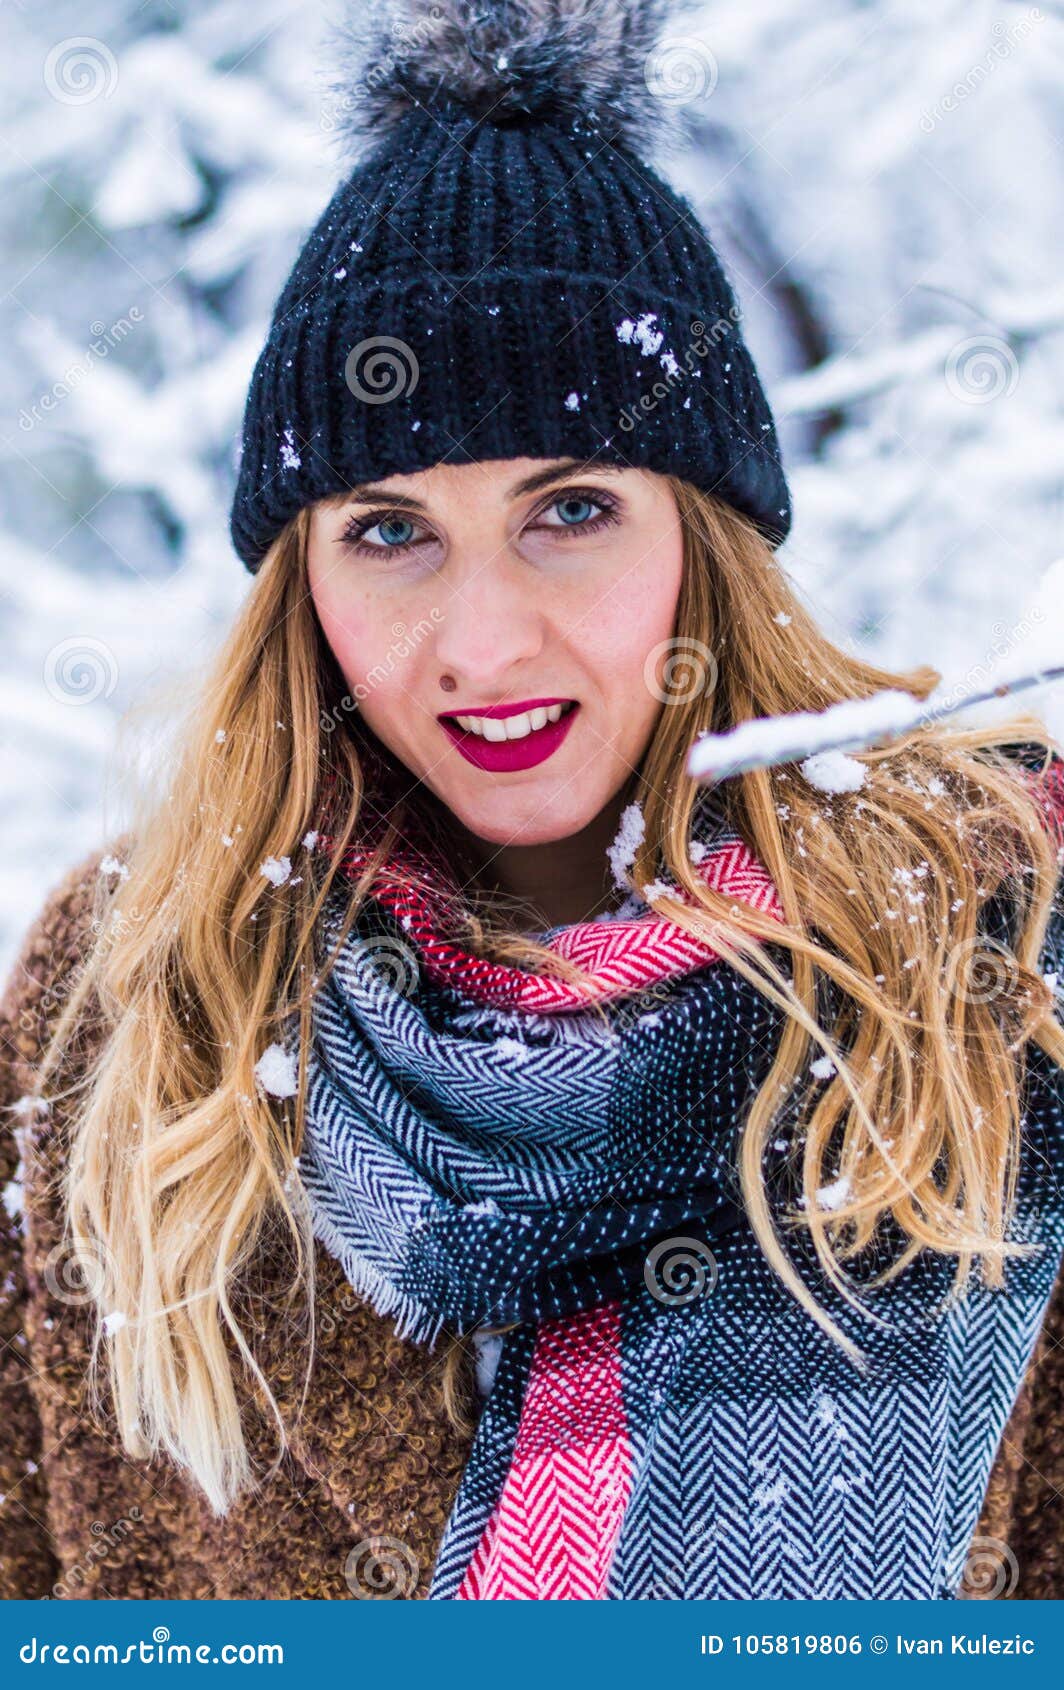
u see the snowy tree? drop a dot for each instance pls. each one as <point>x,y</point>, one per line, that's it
<point>158,178</point>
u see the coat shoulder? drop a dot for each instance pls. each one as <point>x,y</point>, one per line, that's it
<point>51,955</point>
<point>37,985</point>
<point>368,1448</point>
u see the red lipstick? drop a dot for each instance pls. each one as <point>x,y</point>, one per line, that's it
<point>503,756</point>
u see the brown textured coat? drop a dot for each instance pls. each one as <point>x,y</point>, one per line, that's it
<point>372,1455</point>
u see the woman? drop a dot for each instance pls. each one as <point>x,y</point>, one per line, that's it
<point>714,1133</point>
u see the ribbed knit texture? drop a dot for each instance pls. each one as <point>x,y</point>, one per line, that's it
<point>527,288</point>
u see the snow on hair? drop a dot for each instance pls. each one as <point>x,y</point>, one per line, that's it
<point>552,59</point>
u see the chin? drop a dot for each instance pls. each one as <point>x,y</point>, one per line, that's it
<point>506,823</point>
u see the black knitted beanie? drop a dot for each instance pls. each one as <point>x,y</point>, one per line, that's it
<point>503,275</point>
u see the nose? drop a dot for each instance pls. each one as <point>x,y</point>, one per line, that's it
<point>490,626</point>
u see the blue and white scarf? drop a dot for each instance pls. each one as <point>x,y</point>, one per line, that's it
<point>665,1420</point>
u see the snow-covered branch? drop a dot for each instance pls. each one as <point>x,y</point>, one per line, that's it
<point>853,725</point>
<point>817,738</point>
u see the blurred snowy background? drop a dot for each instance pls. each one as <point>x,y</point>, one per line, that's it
<point>884,182</point>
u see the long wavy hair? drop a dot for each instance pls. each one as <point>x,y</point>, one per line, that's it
<point>178,1161</point>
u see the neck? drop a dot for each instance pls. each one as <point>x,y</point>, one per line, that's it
<point>555,884</point>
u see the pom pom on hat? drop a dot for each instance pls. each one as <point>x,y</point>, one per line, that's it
<point>504,60</point>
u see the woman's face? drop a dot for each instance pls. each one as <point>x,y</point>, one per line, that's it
<point>543,591</point>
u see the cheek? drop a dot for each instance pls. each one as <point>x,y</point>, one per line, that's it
<point>354,630</point>
<point>344,631</point>
<point>376,658</point>
<point>632,621</point>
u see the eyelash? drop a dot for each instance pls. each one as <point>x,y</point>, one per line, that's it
<point>608,514</point>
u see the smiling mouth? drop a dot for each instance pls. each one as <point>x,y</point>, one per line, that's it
<point>520,740</point>
<point>497,728</point>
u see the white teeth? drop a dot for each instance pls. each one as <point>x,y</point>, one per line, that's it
<point>498,728</point>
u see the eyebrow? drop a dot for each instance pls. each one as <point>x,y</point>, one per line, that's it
<point>530,484</point>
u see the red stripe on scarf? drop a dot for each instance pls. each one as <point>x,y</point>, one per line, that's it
<point>621,956</point>
<point>554,1527</point>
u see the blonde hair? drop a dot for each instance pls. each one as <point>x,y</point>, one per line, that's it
<point>178,1161</point>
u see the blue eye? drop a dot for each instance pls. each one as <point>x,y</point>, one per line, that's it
<point>388,533</point>
<point>396,533</point>
<point>565,508</point>
<point>575,510</point>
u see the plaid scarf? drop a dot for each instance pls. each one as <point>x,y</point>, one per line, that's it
<point>665,1420</point>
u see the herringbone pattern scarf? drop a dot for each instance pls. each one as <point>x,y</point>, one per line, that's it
<point>665,1420</point>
